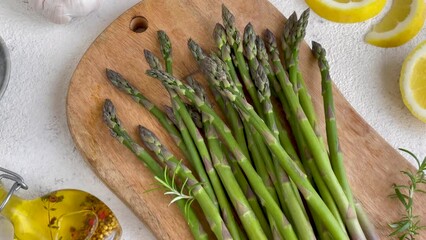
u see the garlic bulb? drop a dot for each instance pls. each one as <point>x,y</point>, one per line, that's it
<point>63,11</point>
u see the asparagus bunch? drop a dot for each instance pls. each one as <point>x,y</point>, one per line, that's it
<point>255,175</point>
<point>118,132</point>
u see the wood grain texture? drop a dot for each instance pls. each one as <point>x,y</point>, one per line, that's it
<point>372,164</point>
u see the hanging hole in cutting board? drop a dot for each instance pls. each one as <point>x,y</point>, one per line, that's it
<point>138,24</point>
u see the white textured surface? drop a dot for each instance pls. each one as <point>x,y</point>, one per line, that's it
<point>34,138</point>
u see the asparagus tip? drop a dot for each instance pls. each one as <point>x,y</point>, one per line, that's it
<point>146,52</point>
<point>144,131</point>
<point>288,27</point>
<point>196,50</point>
<point>194,84</point>
<point>112,75</point>
<point>150,140</point>
<point>152,60</point>
<point>305,14</point>
<point>249,27</point>
<point>317,49</point>
<point>108,109</point>
<point>165,44</point>
<point>301,26</point>
<point>170,114</point>
<point>228,17</point>
<point>261,49</point>
<point>249,39</point>
<point>195,115</point>
<point>270,37</point>
<point>109,114</point>
<point>219,35</point>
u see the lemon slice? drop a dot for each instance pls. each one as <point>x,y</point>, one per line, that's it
<point>403,21</point>
<point>413,81</point>
<point>346,11</point>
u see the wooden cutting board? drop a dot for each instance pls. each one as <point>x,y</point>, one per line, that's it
<point>372,164</point>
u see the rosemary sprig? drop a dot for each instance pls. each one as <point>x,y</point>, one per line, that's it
<point>173,189</point>
<point>409,225</point>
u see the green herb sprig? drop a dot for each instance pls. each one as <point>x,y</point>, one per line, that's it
<point>408,226</point>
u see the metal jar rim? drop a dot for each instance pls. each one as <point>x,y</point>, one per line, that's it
<point>4,67</point>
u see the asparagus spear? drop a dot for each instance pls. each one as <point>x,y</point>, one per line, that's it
<point>295,34</point>
<point>319,154</point>
<point>285,229</point>
<point>262,56</point>
<point>312,198</point>
<point>214,178</point>
<point>286,38</point>
<point>208,207</point>
<point>284,188</point>
<point>239,175</point>
<point>195,115</point>
<point>219,35</point>
<point>258,73</point>
<point>118,81</point>
<point>234,41</point>
<point>118,132</point>
<point>166,49</point>
<point>232,115</point>
<point>236,195</point>
<point>193,156</point>
<point>305,152</point>
<point>198,54</point>
<point>336,155</point>
<point>298,216</point>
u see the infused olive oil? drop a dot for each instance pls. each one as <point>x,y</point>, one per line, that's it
<point>61,215</point>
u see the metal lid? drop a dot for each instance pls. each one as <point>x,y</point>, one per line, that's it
<point>4,67</point>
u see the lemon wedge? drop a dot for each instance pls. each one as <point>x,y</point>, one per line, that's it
<point>413,81</point>
<point>403,21</point>
<point>346,11</point>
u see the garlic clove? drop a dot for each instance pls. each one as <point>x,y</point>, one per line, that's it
<point>63,11</point>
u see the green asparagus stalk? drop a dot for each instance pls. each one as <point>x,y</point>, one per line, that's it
<point>247,111</point>
<point>304,96</point>
<point>196,189</point>
<point>336,155</point>
<point>242,181</point>
<point>236,195</point>
<point>284,228</point>
<point>195,115</point>
<point>294,32</point>
<point>260,156</point>
<point>261,81</point>
<point>297,213</point>
<point>273,167</point>
<point>234,41</point>
<point>118,132</point>
<point>305,153</point>
<point>248,191</point>
<point>195,160</point>
<point>118,81</point>
<point>214,178</point>
<point>232,115</point>
<point>192,153</point>
<point>171,115</point>
<point>367,226</point>
<point>166,50</point>
<point>219,35</point>
<point>285,140</point>
<point>319,154</point>
<point>287,40</point>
